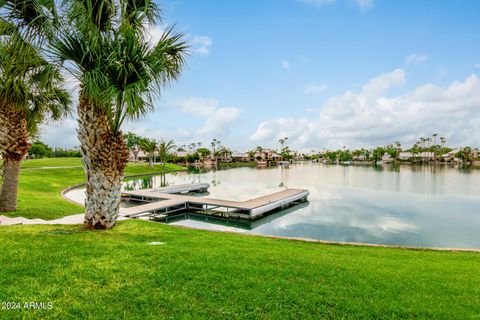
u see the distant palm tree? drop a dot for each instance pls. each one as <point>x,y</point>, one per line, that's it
<point>164,150</point>
<point>149,146</point>
<point>213,145</point>
<point>442,141</point>
<point>435,138</point>
<point>31,91</point>
<point>423,140</point>
<point>398,145</point>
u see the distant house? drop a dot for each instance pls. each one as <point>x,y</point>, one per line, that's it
<point>450,155</point>
<point>209,161</point>
<point>240,157</point>
<point>267,155</point>
<point>299,156</point>
<point>427,155</point>
<point>361,157</point>
<point>405,155</point>
<point>386,157</point>
<point>142,156</point>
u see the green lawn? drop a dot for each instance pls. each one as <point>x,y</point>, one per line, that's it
<point>115,274</point>
<point>52,162</point>
<point>42,180</point>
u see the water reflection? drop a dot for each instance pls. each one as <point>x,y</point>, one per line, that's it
<point>404,205</point>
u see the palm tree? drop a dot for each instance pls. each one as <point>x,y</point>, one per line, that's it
<point>164,148</point>
<point>213,145</point>
<point>120,71</point>
<point>149,146</point>
<point>435,138</point>
<point>442,141</point>
<point>30,93</point>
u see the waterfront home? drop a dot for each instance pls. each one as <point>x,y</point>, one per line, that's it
<point>225,156</point>
<point>267,155</point>
<point>299,157</point>
<point>449,155</point>
<point>426,156</point>
<point>142,156</point>
<point>387,158</point>
<point>209,161</point>
<point>361,157</point>
<point>405,156</point>
<point>240,157</point>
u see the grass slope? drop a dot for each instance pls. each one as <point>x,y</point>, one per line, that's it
<point>42,180</point>
<point>195,274</point>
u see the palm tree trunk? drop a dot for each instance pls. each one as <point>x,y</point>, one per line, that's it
<point>9,191</point>
<point>104,155</point>
<point>13,147</point>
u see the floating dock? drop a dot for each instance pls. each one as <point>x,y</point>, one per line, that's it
<point>166,201</point>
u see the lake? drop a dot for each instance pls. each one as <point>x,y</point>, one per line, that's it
<point>427,206</point>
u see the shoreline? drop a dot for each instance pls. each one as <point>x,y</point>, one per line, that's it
<point>304,239</point>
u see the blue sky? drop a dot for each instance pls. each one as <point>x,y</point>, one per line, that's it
<point>325,73</point>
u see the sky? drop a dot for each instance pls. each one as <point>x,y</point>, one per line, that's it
<point>324,73</point>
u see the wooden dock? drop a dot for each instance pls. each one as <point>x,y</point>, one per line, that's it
<point>165,201</point>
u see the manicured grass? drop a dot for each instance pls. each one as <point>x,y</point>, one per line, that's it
<point>40,186</point>
<point>195,274</point>
<point>52,162</point>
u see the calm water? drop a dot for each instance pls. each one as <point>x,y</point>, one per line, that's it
<point>414,206</point>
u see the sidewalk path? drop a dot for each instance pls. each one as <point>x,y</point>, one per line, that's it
<point>73,219</point>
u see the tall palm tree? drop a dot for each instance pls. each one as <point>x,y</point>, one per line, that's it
<point>120,71</point>
<point>213,144</point>
<point>30,93</point>
<point>164,150</point>
<point>435,138</point>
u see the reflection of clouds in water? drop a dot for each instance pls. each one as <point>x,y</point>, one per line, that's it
<point>409,205</point>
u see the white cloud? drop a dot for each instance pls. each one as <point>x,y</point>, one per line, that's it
<point>154,132</point>
<point>477,65</point>
<point>285,64</point>
<point>219,121</point>
<point>314,88</point>
<point>201,44</point>
<point>363,4</point>
<point>370,118</point>
<point>282,127</point>
<point>379,84</point>
<point>197,106</point>
<point>318,3</point>
<point>416,58</point>
<point>153,33</point>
